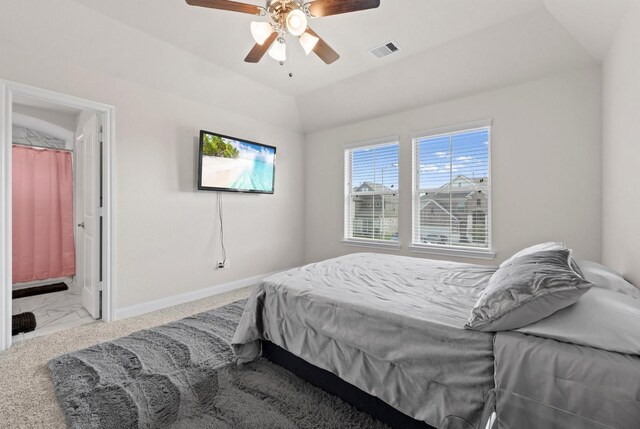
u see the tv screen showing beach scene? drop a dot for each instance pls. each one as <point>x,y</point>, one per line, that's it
<point>231,164</point>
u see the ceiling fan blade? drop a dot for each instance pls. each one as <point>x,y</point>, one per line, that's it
<point>323,50</point>
<point>320,8</point>
<point>233,6</point>
<point>258,51</point>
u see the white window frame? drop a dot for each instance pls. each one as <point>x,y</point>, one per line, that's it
<point>348,240</point>
<point>443,250</point>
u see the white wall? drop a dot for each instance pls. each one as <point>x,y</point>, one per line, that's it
<point>522,49</point>
<point>621,149</point>
<point>67,32</point>
<point>166,232</point>
<point>61,119</point>
<point>546,168</point>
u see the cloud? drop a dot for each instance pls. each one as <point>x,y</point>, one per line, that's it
<point>464,158</point>
<point>441,154</point>
<point>445,168</point>
<point>429,167</point>
<point>252,152</point>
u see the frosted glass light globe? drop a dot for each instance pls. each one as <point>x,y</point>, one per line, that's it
<point>308,42</point>
<point>279,50</point>
<point>296,22</point>
<point>261,31</point>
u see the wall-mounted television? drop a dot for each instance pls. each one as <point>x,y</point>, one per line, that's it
<point>233,165</point>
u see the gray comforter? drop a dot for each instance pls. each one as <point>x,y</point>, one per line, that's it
<point>390,325</point>
<point>543,383</point>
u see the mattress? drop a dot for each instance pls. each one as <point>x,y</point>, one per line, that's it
<point>390,325</point>
<point>544,383</point>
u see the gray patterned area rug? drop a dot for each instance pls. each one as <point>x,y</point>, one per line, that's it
<point>183,375</point>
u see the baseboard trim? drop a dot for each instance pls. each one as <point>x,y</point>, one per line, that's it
<point>159,304</point>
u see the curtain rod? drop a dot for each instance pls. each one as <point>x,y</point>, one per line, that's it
<point>42,147</point>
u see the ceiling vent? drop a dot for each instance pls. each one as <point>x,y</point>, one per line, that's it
<point>385,50</point>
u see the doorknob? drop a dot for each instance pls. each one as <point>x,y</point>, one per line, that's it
<point>81,225</point>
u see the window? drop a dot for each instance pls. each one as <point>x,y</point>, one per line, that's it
<point>371,193</point>
<point>452,189</point>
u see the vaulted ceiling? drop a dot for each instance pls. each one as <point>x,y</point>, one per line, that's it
<point>449,48</point>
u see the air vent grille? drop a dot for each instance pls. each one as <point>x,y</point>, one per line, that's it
<point>385,50</point>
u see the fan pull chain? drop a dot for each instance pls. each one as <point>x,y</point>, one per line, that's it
<point>289,61</point>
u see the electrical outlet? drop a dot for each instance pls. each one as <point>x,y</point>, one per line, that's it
<point>221,265</point>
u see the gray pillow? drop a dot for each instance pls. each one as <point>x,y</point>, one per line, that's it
<point>527,289</point>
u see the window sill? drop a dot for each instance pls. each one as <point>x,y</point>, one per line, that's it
<point>372,244</point>
<point>448,251</point>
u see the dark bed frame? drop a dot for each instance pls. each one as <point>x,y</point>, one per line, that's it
<point>336,386</point>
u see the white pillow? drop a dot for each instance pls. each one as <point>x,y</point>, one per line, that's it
<point>601,318</point>
<point>606,278</point>
<point>552,245</point>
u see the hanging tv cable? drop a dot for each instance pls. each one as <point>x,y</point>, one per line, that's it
<point>224,251</point>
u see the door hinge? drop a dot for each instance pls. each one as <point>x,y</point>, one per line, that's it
<point>99,286</point>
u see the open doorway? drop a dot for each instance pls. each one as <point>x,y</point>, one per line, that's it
<point>56,213</point>
<point>55,202</point>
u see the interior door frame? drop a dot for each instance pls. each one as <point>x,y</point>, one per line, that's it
<point>8,90</point>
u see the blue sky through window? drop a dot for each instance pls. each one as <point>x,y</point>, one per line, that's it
<point>443,158</point>
<point>378,164</point>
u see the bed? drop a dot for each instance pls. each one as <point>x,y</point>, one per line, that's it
<point>544,383</point>
<point>393,327</point>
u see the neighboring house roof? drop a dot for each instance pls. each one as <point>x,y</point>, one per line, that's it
<point>425,203</point>
<point>457,192</point>
<point>373,187</point>
<point>462,178</point>
<point>473,194</point>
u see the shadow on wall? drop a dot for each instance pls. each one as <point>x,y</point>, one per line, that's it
<point>187,160</point>
<point>187,166</point>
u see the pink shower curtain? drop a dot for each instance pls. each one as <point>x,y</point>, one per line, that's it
<point>43,245</point>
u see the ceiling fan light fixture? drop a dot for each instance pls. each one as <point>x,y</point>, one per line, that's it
<point>288,17</point>
<point>296,22</point>
<point>279,50</point>
<point>261,31</point>
<point>308,42</point>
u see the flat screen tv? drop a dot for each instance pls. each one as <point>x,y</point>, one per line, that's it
<point>234,165</point>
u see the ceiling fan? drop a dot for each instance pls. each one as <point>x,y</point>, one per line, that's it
<point>288,17</point>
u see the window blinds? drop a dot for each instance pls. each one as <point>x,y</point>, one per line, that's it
<point>371,192</point>
<point>451,196</point>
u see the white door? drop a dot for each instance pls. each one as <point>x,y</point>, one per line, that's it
<point>87,153</point>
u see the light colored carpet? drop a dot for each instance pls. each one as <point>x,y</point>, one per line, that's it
<point>27,399</point>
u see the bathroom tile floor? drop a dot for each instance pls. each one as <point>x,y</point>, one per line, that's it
<point>54,311</point>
